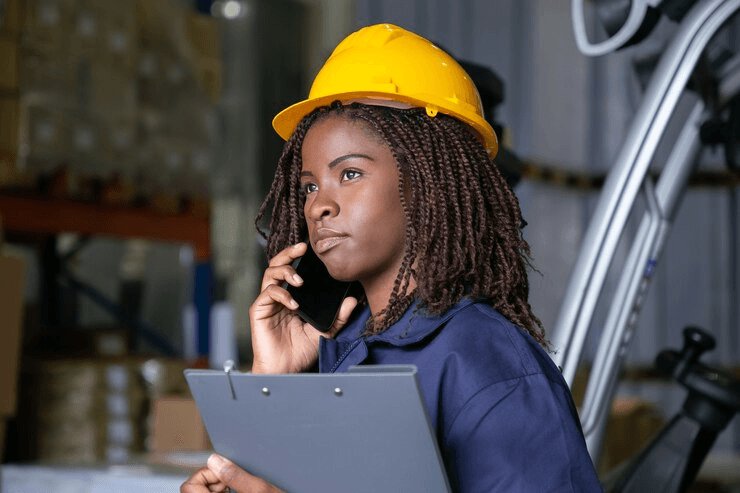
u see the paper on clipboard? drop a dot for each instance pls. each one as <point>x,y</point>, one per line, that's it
<point>362,431</point>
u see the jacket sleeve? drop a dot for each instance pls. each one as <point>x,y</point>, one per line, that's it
<point>519,435</point>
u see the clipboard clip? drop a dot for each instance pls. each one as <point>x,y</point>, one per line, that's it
<point>228,367</point>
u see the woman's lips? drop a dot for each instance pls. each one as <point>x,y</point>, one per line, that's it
<point>325,244</point>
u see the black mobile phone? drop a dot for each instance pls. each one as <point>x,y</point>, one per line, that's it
<point>320,296</point>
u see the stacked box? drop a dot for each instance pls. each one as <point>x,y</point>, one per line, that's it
<point>164,160</point>
<point>84,411</point>
<point>10,61</point>
<point>76,92</point>
<point>46,25</point>
<point>109,98</point>
<point>177,426</point>
<point>97,409</point>
<point>101,88</point>
<point>119,34</point>
<point>50,81</point>
<point>8,141</point>
<point>9,80</point>
<point>104,33</point>
<point>176,115</point>
<point>205,37</point>
<point>41,142</point>
<point>170,401</point>
<point>164,376</point>
<point>11,19</point>
<point>126,411</point>
<point>86,36</point>
<point>9,125</point>
<point>89,149</point>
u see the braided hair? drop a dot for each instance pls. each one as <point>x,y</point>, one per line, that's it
<point>463,222</point>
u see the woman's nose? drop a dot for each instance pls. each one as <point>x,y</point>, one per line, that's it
<point>321,205</point>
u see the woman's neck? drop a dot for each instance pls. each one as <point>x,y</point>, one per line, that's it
<point>378,293</point>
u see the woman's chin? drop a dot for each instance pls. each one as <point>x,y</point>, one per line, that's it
<point>343,277</point>
<point>341,273</point>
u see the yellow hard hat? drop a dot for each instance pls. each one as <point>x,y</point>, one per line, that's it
<point>388,63</point>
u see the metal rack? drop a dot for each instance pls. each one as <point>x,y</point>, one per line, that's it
<point>39,220</point>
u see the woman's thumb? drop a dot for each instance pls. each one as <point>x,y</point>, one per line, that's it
<point>348,306</point>
<point>237,478</point>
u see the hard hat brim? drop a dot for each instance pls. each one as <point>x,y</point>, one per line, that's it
<point>287,120</point>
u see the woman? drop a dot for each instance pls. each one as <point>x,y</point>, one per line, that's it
<point>388,169</point>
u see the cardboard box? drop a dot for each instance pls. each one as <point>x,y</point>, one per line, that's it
<point>86,37</point>
<point>177,426</point>
<point>13,275</point>
<point>167,161</point>
<point>209,75</point>
<point>86,140</point>
<point>120,34</point>
<point>78,409</point>
<point>11,18</point>
<point>3,430</point>
<point>193,120</point>
<point>54,81</point>
<point>47,26</point>
<point>112,95</point>
<point>9,61</point>
<point>204,32</point>
<point>164,377</point>
<point>9,174</point>
<point>42,132</point>
<point>161,79</point>
<point>9,124</point>
<point>632,424</point>
<point>162,23</point>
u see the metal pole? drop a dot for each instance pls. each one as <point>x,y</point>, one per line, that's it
<point>733,295</point>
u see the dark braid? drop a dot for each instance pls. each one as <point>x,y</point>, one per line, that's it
<point>463,234</point>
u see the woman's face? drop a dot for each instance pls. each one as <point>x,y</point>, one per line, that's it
<point>353,210</point>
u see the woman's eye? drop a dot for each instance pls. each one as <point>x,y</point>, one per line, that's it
<point>308,188</point>
<point>350,174</point>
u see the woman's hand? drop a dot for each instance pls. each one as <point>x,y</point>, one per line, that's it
<point>222,475</point>
<point>281,341</point>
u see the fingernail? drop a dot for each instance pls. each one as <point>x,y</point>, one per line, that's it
<point>297,278</point>
<point>293,304</point>
<point>216,462</point>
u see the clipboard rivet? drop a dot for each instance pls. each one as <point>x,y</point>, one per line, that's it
<point>338,392</point>
<point>265,391</point>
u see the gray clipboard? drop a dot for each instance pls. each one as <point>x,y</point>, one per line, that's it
<point>362,431</point>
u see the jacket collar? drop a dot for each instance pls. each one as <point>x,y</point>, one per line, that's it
<point>350,347</point>
<point>415,324</point>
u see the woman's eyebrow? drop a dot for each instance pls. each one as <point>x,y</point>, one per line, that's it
<point>338,160</point>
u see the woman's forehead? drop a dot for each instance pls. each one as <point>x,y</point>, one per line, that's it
<point>342,123</point>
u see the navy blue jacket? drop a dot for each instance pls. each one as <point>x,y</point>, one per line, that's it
<point>503,414</point>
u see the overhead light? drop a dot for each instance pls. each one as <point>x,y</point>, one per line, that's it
<point>229,9</point>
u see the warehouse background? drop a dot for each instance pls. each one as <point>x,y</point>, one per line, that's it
<point>153,117</point>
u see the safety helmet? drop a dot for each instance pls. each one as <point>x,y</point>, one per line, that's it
<point>388,63</point>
